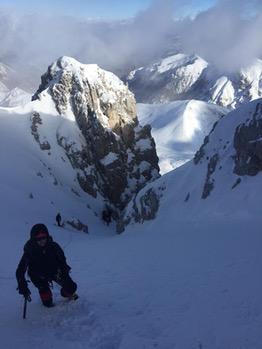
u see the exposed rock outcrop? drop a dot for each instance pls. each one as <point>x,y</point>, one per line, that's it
<point>143,208</point>
<point>119,156</point>
<point>35,122</point>
<point>248,145</point>
<point>209,183</point>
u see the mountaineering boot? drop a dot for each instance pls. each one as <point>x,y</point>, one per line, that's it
<point>74,297</point>
<point>46,297</point>
<point>70,296</point>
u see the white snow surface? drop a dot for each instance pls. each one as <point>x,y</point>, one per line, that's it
<point>191,278</point>
<point>179,128</point>
<point>185,280</point>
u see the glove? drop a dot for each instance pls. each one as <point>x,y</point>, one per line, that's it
<point>24,290</point>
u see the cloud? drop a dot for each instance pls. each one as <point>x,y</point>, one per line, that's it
<point>228,35</point>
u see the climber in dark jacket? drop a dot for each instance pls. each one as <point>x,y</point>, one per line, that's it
<point>44,260</point>
<point>58,219</point>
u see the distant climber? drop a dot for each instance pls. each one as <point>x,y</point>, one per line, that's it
<point>107,215</point>
<point>58,219</point>
<point>44,260</point>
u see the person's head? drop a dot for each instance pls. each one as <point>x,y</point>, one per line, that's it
<point>39,233</point>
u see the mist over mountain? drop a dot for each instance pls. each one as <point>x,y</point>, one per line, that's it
<point>226,35</point>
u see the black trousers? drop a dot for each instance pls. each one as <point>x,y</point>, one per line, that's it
<point>64,280</point>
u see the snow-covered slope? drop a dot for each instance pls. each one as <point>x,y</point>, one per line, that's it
<point>179,128</point>
<point>191,278</point>
<point>185,77</point>
<point>37,183</point>
<point>160,285</point>
<point>223,180</point>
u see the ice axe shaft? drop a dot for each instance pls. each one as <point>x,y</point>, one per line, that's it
<point>27,298</point>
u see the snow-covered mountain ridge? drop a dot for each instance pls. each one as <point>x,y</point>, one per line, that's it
<point>223,179</point>
<point>189,76</point>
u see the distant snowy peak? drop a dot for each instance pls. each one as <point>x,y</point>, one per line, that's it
<point>166,80</point>
<point>15,97</point>
<point>119,155</point>
<point>188,76</point>
<point>234,89</point>
<point>10,94</point>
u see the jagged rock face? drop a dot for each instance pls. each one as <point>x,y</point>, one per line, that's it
<point>120,156</point>
<point>209,183</point>
<point>248,145</point>
<point>35,122</point>
<point>144,208</point>
<point>244,146</point>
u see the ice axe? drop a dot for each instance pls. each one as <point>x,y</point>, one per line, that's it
<point>26,299</point>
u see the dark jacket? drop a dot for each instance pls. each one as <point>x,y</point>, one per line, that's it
<point>58,217</point>
<point>41,261</point>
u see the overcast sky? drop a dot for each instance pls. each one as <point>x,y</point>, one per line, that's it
<point>226,33</point>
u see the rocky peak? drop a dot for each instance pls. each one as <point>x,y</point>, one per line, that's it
<point>119,156</point>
